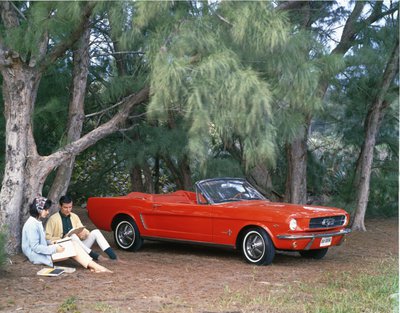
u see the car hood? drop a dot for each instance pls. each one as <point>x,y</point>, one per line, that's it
<point>294,210</point>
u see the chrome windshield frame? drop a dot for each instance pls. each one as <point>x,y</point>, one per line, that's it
<point>201,189</point>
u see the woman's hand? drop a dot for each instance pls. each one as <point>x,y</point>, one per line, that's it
<point>59,248</point>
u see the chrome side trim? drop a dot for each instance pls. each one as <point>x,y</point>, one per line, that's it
<point>143,222</point>
<point>315,235</point>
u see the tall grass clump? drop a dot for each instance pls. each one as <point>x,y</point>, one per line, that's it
<point>3,253</point>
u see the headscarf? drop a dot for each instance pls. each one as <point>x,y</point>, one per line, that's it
<point>39,203</point>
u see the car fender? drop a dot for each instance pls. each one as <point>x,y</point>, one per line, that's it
<point>120,214</point>
<point>252,225</point>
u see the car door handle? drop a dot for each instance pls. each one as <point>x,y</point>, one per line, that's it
<point>156,205</point>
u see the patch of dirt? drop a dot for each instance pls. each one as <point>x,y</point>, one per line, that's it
<point>166,277</point>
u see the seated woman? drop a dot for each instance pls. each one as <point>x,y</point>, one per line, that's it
<point>35,246</point>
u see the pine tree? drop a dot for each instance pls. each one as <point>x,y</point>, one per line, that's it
<point>33,36</point>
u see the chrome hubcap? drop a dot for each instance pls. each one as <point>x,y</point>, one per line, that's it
<point>255,246</point>
<point>125,234</point>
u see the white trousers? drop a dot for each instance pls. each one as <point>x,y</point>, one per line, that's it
<point>94,236</point>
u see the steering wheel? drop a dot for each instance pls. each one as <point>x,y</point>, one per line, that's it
<point>237,196</point>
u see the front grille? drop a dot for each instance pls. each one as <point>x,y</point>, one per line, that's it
<point>327,221</point>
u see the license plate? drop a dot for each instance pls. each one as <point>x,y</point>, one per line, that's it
<point>325,241</point>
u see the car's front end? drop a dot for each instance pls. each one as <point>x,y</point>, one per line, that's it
<point>314,230</point>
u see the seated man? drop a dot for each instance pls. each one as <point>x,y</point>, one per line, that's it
<point>59,224</point>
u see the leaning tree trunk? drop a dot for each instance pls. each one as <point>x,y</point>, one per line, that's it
<point>26,171</point>
<point>372,123</point>
<point>76,115</point>
<point>354,24</point>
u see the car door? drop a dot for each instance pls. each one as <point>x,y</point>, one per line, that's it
<point>182,221</point>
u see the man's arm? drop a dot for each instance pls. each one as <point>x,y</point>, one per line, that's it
<point>53,229</point>
<point>76,222</point>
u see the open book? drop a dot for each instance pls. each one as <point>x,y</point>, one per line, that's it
<point>50,271</point>
<point>76,230</point>
<point>67,253</point>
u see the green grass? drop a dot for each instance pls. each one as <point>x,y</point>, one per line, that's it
<point>374,290</point>
<point>68,306</point>
<point>3,253</point>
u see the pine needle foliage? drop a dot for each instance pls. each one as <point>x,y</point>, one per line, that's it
<point>351,96</point>
<point>54,19</point>
<point>256,26</point>
<point>196,73</point>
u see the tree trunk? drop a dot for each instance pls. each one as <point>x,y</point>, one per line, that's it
<point>20,86</point>
<point>148,179</point>
<point>296,179</point>
<point>26,171</point>
<point>157,174</point>
<point>260,177</point>
<point>372,124</point>
<point>76,114</point>
<point>296,158</point>
<point>136,179</point>
<point>186,175</point>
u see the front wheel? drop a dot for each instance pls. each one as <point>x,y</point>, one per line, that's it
<point>314,254</point>
<point>257,247</point>
<point>127,235</point>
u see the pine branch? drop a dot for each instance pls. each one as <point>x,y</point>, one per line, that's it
<point>98,133</point>
<point>224,20</point>
<point>290,5</point>
<point>63,46</point>
<point>353,27</point>
<point>10,20</point>
<point>9,15</point>
<point>392,68</point>
<point>18,11</point>
<point>350,29</point>
<point>377,13</point>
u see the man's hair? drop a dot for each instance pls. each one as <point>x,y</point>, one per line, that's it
<point>65,199</point>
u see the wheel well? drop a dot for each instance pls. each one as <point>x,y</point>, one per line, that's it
<point>242,232</point>
<point>118,218</point>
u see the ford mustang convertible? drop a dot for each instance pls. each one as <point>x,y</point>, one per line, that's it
<point>222,211</point>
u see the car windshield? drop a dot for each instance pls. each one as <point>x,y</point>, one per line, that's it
<point>226,190</point>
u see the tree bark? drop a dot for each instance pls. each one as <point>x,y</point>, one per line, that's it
<point>296,179</point>
<point>19,91</point>
<point>76,115</point>
<point>25,170</point>
<point>372,124</point>
<point>136,179</point>
<point>186,174</point>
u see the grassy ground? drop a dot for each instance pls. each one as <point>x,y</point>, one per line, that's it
<point>361,276</point>
<point>374,289</point>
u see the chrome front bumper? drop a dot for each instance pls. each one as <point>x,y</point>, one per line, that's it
<point>313,236</point>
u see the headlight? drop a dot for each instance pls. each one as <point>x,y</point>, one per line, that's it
<point>293,224</point>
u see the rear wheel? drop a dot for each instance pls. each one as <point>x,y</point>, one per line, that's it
<point>127,235</point>
<point>257,247</point>
<point>314,254</point>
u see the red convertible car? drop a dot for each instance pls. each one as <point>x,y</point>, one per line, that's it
<point>222,211</point>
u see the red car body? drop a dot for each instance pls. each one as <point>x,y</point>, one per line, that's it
<point>190,217</point>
